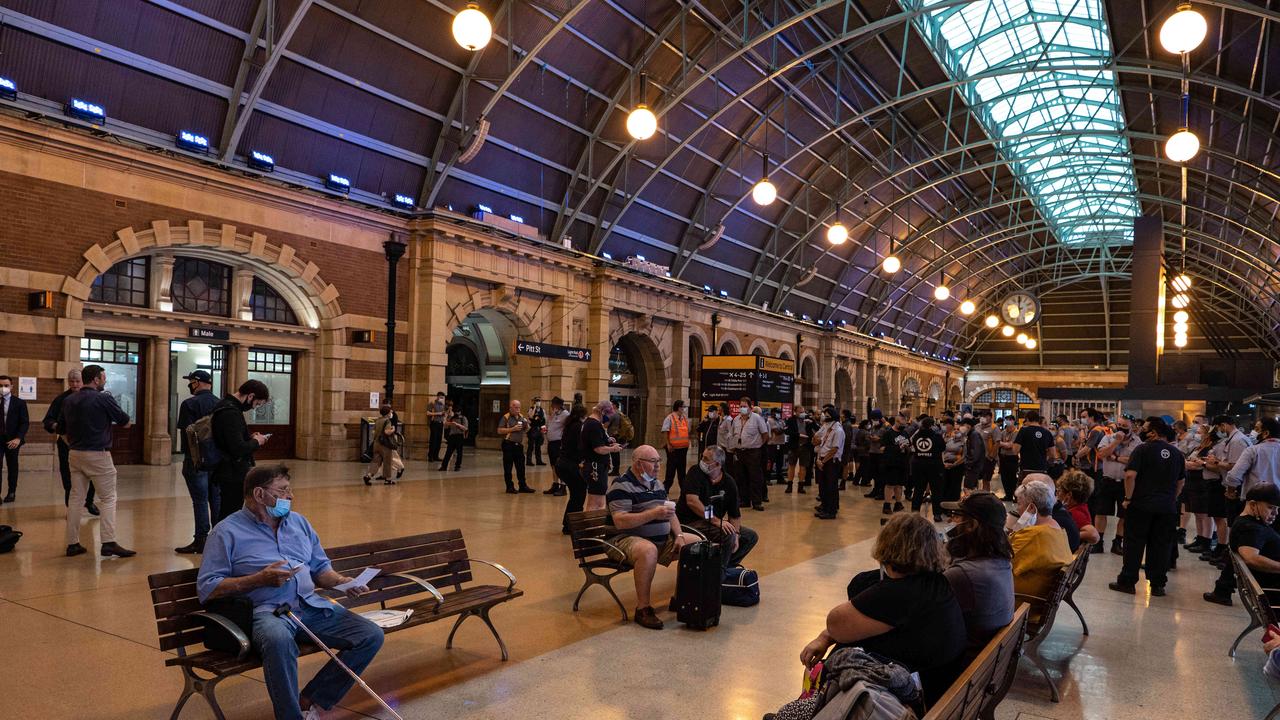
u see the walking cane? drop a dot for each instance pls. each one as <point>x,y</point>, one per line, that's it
<point>284,610</point>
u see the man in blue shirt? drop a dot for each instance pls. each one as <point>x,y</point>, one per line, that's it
<point>273,556</point>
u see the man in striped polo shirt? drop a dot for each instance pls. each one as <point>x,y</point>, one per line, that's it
<point>650,533</point>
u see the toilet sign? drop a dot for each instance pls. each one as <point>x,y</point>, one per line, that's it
<point>375,400</point>
<point>27,388</point>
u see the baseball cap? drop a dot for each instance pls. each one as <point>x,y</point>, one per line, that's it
<point>984,507</point>
<point>1266,492</point>
<point>199,376</point>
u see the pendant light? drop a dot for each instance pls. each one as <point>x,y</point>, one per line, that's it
<point>942,292</point>
<point>471,28</point>
<point>837,234</point>
<point>1007,331</point>
<point>891,263</point>
<point>1031,344</point>
<point>642,123</point>
<point>992,321</point>
<point>1183,31</point>
<point>764,192</point>
<point>968,308</point>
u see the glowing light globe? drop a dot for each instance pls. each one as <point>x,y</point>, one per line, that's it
<point>1183,31</point>
<point>942,292</point>
<point>837,234</point>
<point>642,123</point>
<point>892,264</point>
<point>1007,331</point>
<point>968,308</point>
<point>992,321</point>
<point>471,28</point>
<point>764,192</point>
<point>1182,146</point>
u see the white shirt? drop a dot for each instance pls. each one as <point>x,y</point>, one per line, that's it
<point>751,431</point>
<point>555,424</point>
<point>832,435</point>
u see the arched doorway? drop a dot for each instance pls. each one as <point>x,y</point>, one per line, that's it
<point>728,347</point>
<point>1004,401</point>
<point>912,398</point>
<point>884,399</point>
<point>809,383</point>
<point>635,368</point>
<point>844,390</point>
<point>478,373</point>
<point>935,397</point>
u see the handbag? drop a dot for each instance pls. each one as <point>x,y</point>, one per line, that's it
<point>740,587</point>
<point>8,538</point>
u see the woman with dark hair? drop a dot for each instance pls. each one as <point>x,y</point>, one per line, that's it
<point>567,464</point>
<point>927,447</point>
<point>981,573</point>
<point>905,611</point>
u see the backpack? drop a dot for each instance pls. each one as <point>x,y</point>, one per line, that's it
<point>626,431</point>
<point>8,538</point>
<point>205,453</point>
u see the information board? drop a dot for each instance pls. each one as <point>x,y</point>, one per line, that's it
<point>768,381</point>
<point>556,352</point>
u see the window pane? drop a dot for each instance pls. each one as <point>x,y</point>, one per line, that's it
<point>277,410</point>
<point>122,383</point>
<point>201,287</point>
<point>269,306</point>
<point>124,283</point>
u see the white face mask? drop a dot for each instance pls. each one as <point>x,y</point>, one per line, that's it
<point>4,391</point>
<point>1026,519</point>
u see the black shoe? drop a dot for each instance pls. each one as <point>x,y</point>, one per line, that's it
<point>1199,545</point>
<point>1117,546</point>
<point>367,480</point>
<point>1098,548</point>
<point>802,491</point>
<point>511,491</point>
<point>388,481</point>
<point>457,468</point>
<point>887,509</point>
<point>561,491</point>
<point>1157,591</point>
<point>825,516</point>
<point>10,498</point>
<point>195,548</point>
<point>897,507</point>
<point>843,485</point>
<point>1217,599</point>
<point>441,468</point>
<point>1182,536</point>
<point>93,509</point>
<point>1130,589</point>
<point>75,549</point>
<point>399,473</point>
<point>758,507</point>
<point>550,491</point>
<point>111,548</point>
<point>526,489</point>
<point>788,490</point>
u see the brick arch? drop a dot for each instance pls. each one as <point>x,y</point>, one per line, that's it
<point>728,337</point>
<point>297,280</point>
<point>999,385</point>
<point>656,343</point>
<point>758,344</point>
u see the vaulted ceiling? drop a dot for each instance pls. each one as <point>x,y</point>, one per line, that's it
<point>991,144</point>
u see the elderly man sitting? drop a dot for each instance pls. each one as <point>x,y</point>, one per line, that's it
<point>272,555</point>
<point>723,524</point>
<point>1039,543</point>
<point>638,503</point>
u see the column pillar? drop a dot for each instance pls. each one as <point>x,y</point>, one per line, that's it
<point>157,445</point>
<point>560,373</point>
<point>678,379</point>
<point>426,355</point>
<point>597,386</point>
<point>1146,309</point>
<point>241,290</point>
<point>161,282</point>
<point>895,388</point>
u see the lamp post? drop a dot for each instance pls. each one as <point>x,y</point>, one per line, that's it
<point>394,248</point>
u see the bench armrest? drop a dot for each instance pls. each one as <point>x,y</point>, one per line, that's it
<point>511,578</point>
<point>606,543</point>
<point>1032,600</point>
<point>229,627</point>
<point>425,586</point>
<point>692,531</point>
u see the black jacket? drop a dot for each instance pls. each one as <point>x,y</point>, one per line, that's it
<point>191,410</point>
<point>16,421</point>
<point>54,413</point>
<point>231,435</point>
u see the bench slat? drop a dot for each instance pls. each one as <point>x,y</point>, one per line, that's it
<point>409,541</point>
<point>986,680</point>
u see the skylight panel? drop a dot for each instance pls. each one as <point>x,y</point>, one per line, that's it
<point>1034,73</point>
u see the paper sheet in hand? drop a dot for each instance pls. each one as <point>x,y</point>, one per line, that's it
<point>362,581</point>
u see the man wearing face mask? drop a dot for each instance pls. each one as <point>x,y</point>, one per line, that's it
<point>1254,537</point>
<point>87,417</point>
<point>14,422</point>
<point>750,433</point>
<point>1259,464</point>
<point>703,482</point>
<point>204,495</point>
<point>1224,456</point>
<point>270,554</point>
<point>1153,480</point>
<point>829,465</point>
<point>1113,452</point>
<point>231,436</point>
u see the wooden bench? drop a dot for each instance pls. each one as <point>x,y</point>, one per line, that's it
<point>985,682</point>
<point>1254,598</point>
<point>1078,568</point>
<point>430,574</point>
<point>1045,610</point>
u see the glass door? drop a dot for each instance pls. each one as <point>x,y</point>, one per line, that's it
<point>185,358</point>
<point>276,418</point>
<point>124,363</point>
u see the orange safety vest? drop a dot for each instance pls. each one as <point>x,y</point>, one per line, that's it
<point>678,435</point>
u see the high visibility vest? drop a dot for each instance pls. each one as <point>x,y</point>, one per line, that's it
<point>678,435</point>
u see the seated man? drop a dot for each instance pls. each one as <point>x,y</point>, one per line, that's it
<point>650,534</point>
<point>704,481</point>
<point>1255,539</point>
<point>261,551</point>
<point>1040,547</point>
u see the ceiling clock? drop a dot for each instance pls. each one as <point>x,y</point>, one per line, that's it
<point>1020,309</point>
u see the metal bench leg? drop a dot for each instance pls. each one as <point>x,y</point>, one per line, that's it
<point>189,682</point>
<point>484,615</point>
<point>448,644</point>
<point>1253,625</point>
<point>1275,713</point>
<point>213,701</point>
<point>1036,660</point>
<point>1079,614</point>
<point>192,684</point>
<point>604,581</point>
<point>586,583</point>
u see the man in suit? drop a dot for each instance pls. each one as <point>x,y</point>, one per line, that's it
<point>14,423</point>
<point>50,422</point>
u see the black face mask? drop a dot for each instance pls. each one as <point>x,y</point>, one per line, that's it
<point>193,388</point>
<point>247,405</point>
<point>954,532</point>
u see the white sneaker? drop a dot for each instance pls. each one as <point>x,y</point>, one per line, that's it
<point>313,713</point>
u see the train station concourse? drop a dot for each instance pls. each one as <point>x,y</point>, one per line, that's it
<point>596,359</point>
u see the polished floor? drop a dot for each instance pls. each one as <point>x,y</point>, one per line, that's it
<point>78,637</point>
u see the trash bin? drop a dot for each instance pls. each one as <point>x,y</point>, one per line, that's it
<point>366,438</point>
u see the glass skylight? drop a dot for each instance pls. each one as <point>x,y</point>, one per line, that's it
<point>1038,83</point>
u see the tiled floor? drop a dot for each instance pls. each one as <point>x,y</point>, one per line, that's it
<point>78,639</point>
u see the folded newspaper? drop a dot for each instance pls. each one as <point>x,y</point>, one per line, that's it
<point>387,618</point>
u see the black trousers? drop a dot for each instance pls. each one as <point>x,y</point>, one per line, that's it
<point>952,480</point>
<point>1152,534</point>
<point>927,475</point>
<point>570,475</point>
<point>64,469</point>
<point>11,464</point>
<point>1009,474</point>
<point>872,464</point>
<point>437,431</point>
<point>512,457</point>
<point>752,473</point>
<point>615,463</point>
<point>535,447</point>
<point>677,459</point>
<point>829,487</point>
<point>553,451</point>
<point>777,461</point>
<point>231,496</point>
<point>454,443</point>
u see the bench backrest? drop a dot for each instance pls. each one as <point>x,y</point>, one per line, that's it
<point>439,558</point>
<point>587,526</point>
<point>985,681</point>
<point>1044,610</point>
<point>1252,596</point>
<point>1078,568</point>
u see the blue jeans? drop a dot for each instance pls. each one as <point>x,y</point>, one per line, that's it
<point>205,497</point>
<point>276,638</point>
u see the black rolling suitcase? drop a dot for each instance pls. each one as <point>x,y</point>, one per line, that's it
<point>698,585</point>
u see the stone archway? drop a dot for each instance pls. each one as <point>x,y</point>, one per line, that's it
<point>729,345</point>
<point>809,382</point>
<point>649,401</point>
<point>844,389</point>
<point>696,351</point>
<point>758,347</point>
